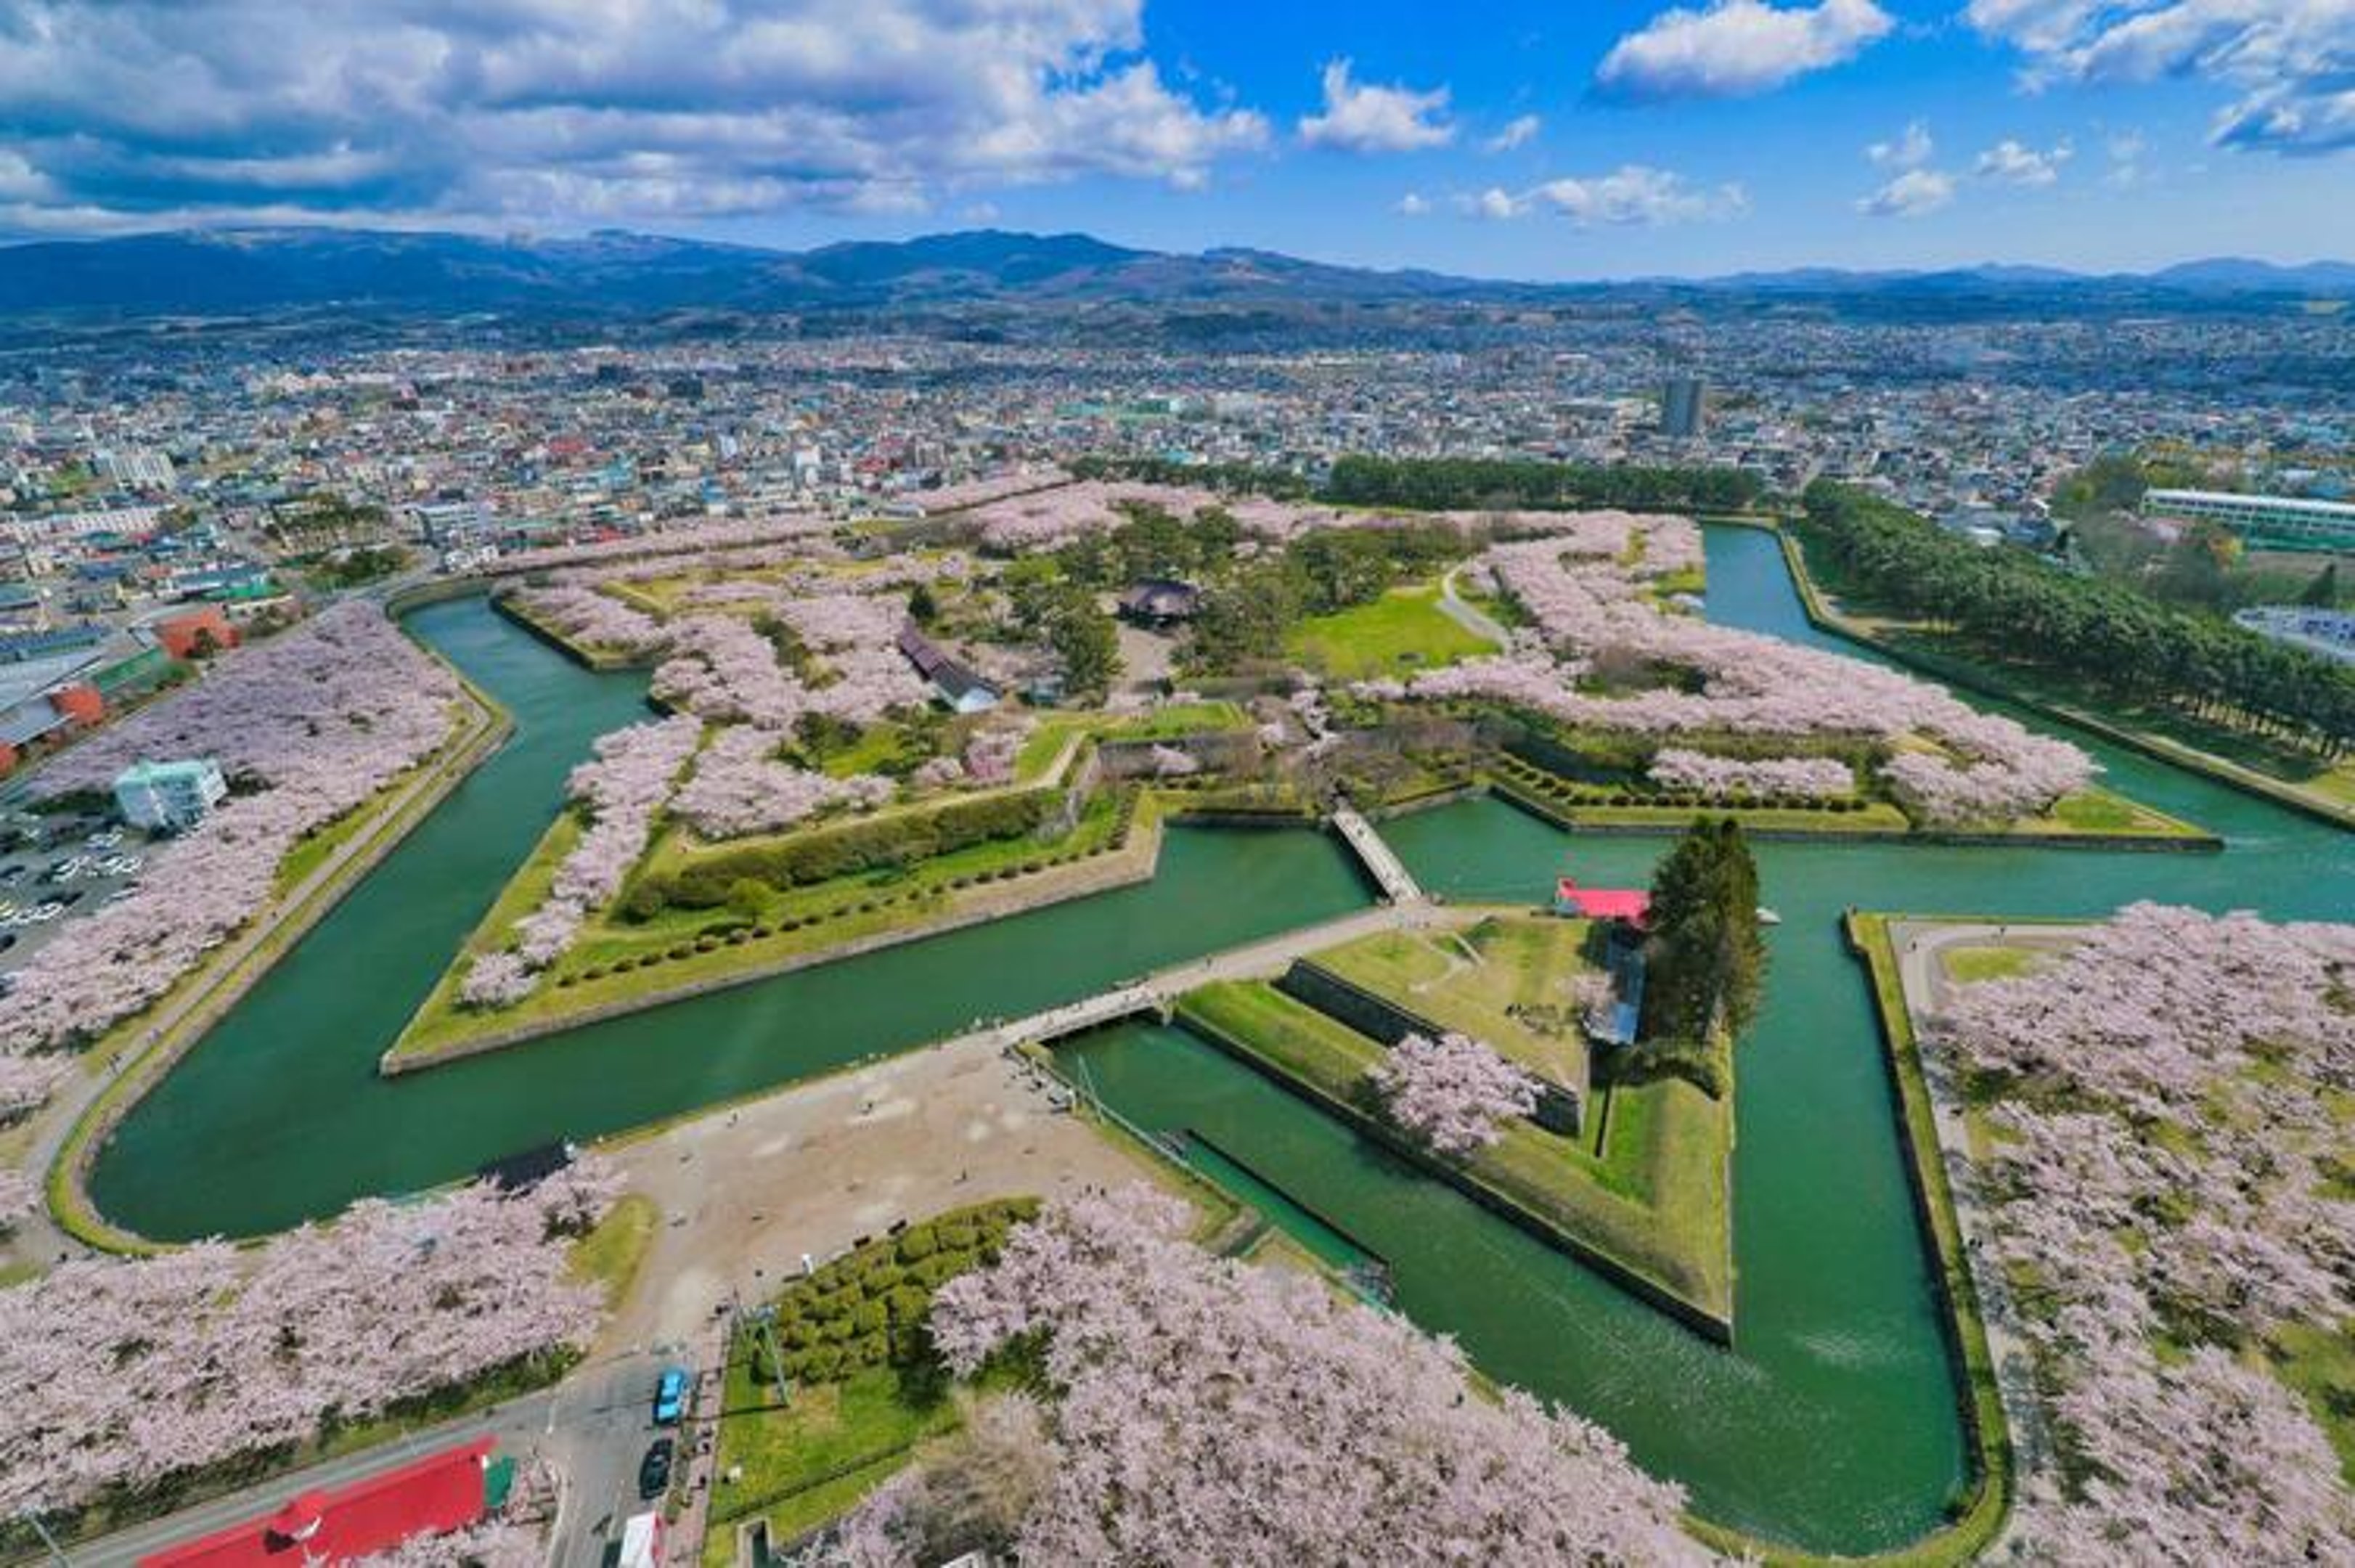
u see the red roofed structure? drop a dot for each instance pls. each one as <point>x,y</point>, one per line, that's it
<point>439,1493</point>
<point>1632,905</point>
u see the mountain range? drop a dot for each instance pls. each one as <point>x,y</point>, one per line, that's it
<point>236,270</point>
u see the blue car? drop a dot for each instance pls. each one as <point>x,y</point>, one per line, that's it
<point>670,1396</point>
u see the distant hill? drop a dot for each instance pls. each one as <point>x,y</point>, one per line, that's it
<point>245,270</point>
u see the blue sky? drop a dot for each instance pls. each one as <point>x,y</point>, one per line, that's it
<point>1576,138</point>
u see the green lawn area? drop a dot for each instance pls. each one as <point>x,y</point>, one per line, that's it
<point>1504,980</point>
<point>1965,965</point>
<point>2096,810</point>
<point>811,1460</point>
<point>2320,1363</point>
<point>1654,1201</point>
<point>1400,632</point>
<point>1177,718</point>
<point>610,1254</point>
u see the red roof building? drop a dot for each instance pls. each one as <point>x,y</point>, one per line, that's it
<point>435,1495</point>
<point>1632,905</point>
<point>195,631</point>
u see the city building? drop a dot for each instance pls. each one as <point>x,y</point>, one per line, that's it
<point>2263,522</point>
<point>1161,601</point>
<point>194,634</point>
<point>2330,633</point>
<point>169,798</point>
<point>1684,402</point>
<point>960,688</point>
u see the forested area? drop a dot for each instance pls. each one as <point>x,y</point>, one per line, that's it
<point>2018,608</point>
<point>1442,484</point>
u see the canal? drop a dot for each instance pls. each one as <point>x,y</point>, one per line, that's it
<point>1830,1425</point>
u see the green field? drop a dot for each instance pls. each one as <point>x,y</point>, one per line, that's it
<point>1965,965</point>
<point>1504,980</point>
<point>1644,1189</point>
<point>1400,632</point>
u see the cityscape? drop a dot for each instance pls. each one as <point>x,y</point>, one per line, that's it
<point>1065,784</point>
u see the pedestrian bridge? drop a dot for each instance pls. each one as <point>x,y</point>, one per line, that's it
<point>1382,862</point>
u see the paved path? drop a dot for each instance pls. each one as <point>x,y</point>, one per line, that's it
<point>1473,619</point>
<point>593,1427</point>
<point>1390,872</point>
<point>1921,947</point>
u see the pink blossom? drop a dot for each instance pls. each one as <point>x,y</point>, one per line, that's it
<point>1453,1093</point>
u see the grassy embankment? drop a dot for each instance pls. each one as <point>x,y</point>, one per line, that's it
<point>2233,755</point>
<point>2093,813</point>
<point>619,963</point>
<point>1642,1190</point>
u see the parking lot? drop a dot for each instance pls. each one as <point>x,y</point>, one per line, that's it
<point>55,870</point>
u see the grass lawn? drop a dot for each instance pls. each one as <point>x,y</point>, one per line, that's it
<point>2320,1363</point>
<point>610,1254</point>
<point>1965,965</point>
<point>809,1461</point>
<point>1400,632</point>
<point>1652,1199</point>
<point>1177,718</point>
<point>2096,810</point>
<point>1504,980</point>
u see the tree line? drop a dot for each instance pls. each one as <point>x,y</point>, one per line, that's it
<point>1452,483</point>
<point>2020,609</point>
<point>1704,959</point>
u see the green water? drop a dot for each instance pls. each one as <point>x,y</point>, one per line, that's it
<point>279,1114</point>
<point>1829,1424</point>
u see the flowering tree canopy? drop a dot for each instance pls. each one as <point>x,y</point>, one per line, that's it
<point>1453,1093</point>
<point>2166,1193</point>
<point>1589,588</point>
<point>309,725</point>
<point>1229,1413</point>
<point>124,1373</point>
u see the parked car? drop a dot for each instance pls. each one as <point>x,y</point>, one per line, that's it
<point>670,1396</point>
<point>654,1470</point>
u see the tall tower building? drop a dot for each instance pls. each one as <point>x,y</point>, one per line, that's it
<point>1683,412</point>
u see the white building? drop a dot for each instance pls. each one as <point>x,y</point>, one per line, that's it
<point>169,798</point>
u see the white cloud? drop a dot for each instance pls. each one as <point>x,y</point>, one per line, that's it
<point>1916,193</point>
<point>1413,204</point>
<point>2010,162</point>
<point>1909,151</point>
<point>1737,48</point>
<point>1517,132</point>
<point>2290,63</point>
<point>530,111</point>
<point>1362,117</point>
<point>1633,195</point>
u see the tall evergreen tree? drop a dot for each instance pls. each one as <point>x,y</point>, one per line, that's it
<point>1705,958</point>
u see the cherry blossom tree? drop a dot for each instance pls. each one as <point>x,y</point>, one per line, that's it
<point>308,726</point>
<point>20,1197</point>
<point>1807,778</point>
<point>2164,1197</point>
<point>1223,1412</point>
<point>1454,1092</point>
<point>128,1373</point>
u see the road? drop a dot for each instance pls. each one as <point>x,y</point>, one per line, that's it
<point>593,1427</point>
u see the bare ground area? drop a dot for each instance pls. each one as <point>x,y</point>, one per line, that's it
<point>746,1192</point>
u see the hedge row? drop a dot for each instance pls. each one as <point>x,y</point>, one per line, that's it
<point>867,1307</point>
<point>823,854</point>
<point>876,900</point>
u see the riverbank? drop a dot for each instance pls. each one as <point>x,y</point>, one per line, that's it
<point>1825,615</point>
<point>137,1054</point>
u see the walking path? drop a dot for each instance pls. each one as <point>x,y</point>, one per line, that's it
<point>1921,947</point>
<point>1477,621</point>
